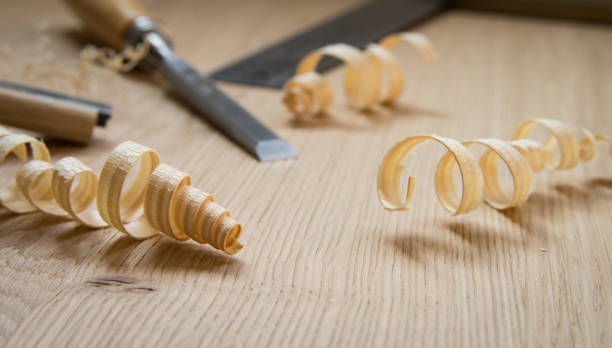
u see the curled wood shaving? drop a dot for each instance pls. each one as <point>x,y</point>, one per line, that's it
<point>158,199</point>
<point>604,139</point>
<point>308,94</point>
<point>123,61</point>
<point>480,180</point>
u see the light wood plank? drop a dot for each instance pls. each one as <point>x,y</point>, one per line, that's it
<point>324,264</point>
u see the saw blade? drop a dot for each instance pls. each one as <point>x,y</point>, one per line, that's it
<point>274,65</point>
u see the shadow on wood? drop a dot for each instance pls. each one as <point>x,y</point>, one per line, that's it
<point>528,215</point>
<point>78,37</point>
<point>484,238</point>
<point>321,121</point>
<point>597,183</point>
<point>416,246</point>
<point>359,120</point>
<point>164,253</point>
<point>399,109</point>
<point>68,240</point>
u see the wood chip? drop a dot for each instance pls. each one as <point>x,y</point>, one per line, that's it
<point>123,61</point>
<point>522,156</point>
<point>158,199</point>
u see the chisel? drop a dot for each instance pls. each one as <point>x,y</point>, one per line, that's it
<point>121,23</point>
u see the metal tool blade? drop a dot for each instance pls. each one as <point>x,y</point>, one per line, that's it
<point>216,107</point>
<point>274,65</point>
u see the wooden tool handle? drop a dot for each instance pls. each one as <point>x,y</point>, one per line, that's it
<point>57,117</point>
<point>108,19</point>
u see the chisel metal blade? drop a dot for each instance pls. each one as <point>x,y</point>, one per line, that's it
<point>216,107</point>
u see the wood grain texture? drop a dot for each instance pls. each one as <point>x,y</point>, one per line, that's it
<point>323,263</point>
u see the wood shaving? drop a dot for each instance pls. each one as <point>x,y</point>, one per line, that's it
<point>158,199</point>
<point>479,179</point>
<point>308,94</point>
<point>123,61</point>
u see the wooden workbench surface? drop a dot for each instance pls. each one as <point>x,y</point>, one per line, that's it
<point>324,264</point>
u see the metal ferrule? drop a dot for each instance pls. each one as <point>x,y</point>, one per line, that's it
<point>160,46</point>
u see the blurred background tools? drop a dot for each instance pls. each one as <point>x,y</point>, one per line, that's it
<point>122,23</point>
<point>57,115</point>
<point>370,21</point>
<point>359,26</point>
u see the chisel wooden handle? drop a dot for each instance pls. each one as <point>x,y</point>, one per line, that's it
<point>108,19</point>
<point>49,113</point>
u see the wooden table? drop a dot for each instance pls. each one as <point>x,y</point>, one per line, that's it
<point>324,264</point>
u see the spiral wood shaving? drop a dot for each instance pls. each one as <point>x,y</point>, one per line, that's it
<point>522,156</point>
<point>308,94</point>
<point>158,199</point>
